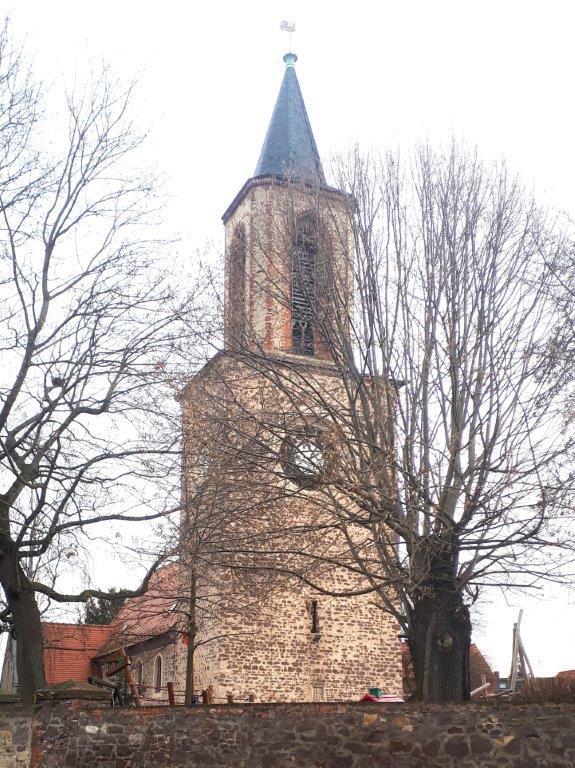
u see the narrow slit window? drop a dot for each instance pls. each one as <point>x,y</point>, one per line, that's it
<point>314,618</point>
<point>318,692</point>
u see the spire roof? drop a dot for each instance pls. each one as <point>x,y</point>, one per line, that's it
<point>289,147</point>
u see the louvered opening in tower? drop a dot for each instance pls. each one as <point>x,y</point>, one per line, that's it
<point>303,300</point>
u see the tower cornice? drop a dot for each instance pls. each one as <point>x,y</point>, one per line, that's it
<point>281,181</point>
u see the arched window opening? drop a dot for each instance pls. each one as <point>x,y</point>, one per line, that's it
<point>237,287</point>
<point>304,286</point>
<point>139,673</point>
<point>158,674</point>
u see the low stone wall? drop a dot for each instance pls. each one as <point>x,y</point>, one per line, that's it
<point>15,733</point>
<point>78,734</point>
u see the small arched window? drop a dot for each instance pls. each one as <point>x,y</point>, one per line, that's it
<point>139,673</point>
<point>237,286</point>
<point>158,674</point>
<point>304,285</point>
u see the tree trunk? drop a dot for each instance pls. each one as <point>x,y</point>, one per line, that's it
<point>190,669</point>
<point>192,632</point>
<point>439,639</point>
<point>27,631</point>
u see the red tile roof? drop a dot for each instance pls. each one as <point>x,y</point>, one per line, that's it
<point>69,648</point>
<point>149,615</point>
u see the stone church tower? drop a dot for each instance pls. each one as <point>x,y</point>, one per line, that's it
<point>255,444</point>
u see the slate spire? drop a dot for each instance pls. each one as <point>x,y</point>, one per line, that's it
<point>289,147</point>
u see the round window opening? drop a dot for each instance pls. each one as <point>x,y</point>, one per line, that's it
<point>303,458</point>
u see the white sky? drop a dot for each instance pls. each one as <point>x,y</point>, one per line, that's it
<point>498,73</point>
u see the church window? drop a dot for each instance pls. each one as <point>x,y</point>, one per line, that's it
<point>303,298</point>
<point>237,286</point>
<point>158,674</point>
<point>314,619</point>
<point>303,458</point>
<point>139,673</point>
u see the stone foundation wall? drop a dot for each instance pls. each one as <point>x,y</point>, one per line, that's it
<point>78,734</point>
<point>15,733</point>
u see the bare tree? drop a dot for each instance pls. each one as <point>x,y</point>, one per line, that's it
<point>89,324</point>
<point>413,424</point>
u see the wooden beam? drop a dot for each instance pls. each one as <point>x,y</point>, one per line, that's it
<point>130,679</point>
<point>481,688</point>
<point>526,662</point>
<point>515,652</point>
<point>115,670</point>
<point>171,694</point>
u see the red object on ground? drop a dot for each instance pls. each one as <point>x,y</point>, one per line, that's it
<point>387,699</point>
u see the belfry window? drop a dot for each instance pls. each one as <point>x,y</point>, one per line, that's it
<point>303,298</point>
<point>237,286</point>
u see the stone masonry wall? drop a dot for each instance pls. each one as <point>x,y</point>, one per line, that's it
<point>171,671</point>
<point>79,734</point>
<point>15,732</point>
<point>278,659</point>
<point>269,650</point>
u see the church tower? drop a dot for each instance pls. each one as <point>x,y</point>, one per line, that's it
<point>288,241</point>
<point>256,445</point>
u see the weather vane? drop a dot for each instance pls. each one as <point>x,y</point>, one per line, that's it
<point>285,26</point>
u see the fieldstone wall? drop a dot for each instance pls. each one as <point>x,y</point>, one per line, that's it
<point>79,734</point>
<point>15,733</point>
<point>266,644</point>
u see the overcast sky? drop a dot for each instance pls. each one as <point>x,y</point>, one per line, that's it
<point>497,73</point>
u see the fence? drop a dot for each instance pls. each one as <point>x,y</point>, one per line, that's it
<point>169,696</point>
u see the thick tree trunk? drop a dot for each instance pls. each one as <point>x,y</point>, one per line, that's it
<point>439,639</point>
<point>27,631</point>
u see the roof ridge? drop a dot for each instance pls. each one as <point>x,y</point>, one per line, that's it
<point>72,624</point>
